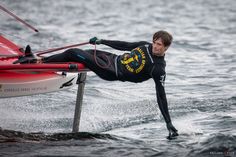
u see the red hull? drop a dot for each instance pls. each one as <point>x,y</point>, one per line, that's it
<point>71,67</point>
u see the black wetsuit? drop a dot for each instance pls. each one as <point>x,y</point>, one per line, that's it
<point>136,66</point>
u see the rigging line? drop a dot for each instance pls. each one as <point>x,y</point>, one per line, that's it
<point>96,61</point>
<point>39,53</point>
<point>17,18</point>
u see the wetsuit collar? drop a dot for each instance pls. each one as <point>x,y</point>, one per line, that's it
<point>150,50</point>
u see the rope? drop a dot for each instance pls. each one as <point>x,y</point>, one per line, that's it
<point>18,19</point>
<point>96,61</point>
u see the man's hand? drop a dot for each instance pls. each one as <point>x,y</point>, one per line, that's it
<point>94,41</point>
<point>173,132</point>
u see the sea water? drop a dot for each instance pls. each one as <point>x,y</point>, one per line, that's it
<point>122,118</point>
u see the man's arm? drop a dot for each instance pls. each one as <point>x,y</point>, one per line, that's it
<point>161,97</point>
<point>163,106</point>
<point>122,45</point>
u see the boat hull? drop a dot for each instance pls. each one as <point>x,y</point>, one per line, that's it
<point>15,83</point>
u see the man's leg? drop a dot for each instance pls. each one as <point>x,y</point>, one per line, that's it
<point>88,59</point>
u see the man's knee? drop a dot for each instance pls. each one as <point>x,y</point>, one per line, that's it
<point>74,53</point>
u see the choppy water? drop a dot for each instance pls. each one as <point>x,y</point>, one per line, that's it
<point>122,119</point>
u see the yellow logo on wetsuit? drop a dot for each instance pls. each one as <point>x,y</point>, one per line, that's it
<point>135,61</point>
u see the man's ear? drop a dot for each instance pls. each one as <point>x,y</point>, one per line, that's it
<point>166,48</point>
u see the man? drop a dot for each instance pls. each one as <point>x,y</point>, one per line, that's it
<point>145,61</point>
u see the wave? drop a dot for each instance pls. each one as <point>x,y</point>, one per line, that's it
<point>18,136</point>
<point>202,105</point>
<point>102,117</point>
<point>216,145</point>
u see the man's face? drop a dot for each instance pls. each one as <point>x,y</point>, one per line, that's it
<point>158,48</point>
